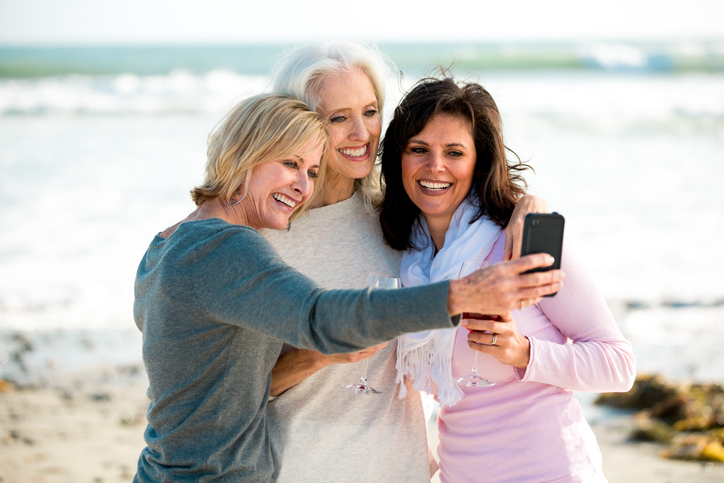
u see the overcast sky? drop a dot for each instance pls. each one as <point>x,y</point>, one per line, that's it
<point>279,21</point>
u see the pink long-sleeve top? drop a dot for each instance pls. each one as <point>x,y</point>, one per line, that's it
<point>528,427</point>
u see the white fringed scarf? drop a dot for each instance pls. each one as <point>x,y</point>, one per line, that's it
<point>427,356</point>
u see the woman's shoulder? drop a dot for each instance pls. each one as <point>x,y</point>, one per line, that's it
<point>218,238</point>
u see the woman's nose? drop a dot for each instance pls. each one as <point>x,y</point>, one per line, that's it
<point>303,184</point>
<point>359,130</point>
<point>435,162</point>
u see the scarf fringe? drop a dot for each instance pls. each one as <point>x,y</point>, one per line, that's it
<point>424,366</point>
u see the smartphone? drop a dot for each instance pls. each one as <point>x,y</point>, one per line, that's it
<point>543,233</point>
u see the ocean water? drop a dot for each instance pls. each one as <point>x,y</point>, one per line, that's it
<point>99,149</point>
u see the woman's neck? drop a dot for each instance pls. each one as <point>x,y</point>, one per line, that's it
<point>336,188</point>
<point>213,208</point>
<point>438,228</point>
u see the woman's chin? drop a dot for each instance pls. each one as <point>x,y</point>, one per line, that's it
<point>353,169</point>
<point>279,225</point>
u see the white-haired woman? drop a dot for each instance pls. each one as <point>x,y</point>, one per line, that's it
<point>320,432</point>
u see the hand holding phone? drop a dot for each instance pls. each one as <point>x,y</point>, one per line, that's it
<point>543,233</point>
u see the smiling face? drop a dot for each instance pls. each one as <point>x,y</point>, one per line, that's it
<point>278,187</point>
<point>349,107</point>
<point>438,166</point>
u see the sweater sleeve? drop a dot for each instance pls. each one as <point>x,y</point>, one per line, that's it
<point>241,281</point>
<point>597,358</point>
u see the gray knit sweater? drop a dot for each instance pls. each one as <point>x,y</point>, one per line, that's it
<point>215,303</point>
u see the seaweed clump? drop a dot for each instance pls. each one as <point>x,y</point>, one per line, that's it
<point>688,418</point>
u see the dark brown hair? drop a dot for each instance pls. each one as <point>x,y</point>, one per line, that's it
<point>496,179</point>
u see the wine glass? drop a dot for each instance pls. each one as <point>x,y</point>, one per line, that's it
<point>474,379</point>
<point>375,280</point>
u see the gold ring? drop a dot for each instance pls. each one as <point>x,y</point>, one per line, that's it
<point>521,305</point>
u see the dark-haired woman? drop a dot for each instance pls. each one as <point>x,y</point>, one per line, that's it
<point>450,190</point>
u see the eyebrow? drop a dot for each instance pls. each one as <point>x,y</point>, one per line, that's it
<point>417,141</point>
<point>301,158</point>
<point>373,102</point>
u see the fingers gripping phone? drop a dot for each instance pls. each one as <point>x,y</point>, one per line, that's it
<point>543,233</point>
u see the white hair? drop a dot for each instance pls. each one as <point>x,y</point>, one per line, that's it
<point>301,72</point>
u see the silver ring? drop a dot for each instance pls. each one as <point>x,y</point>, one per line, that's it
<point>495,339</point>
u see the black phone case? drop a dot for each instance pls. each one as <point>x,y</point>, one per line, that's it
<point>543,233</point>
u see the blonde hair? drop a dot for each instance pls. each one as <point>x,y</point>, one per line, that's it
<point>259,129</point>
<point>302,71</point>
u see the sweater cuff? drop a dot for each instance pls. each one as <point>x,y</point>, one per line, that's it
<point>523,374</point>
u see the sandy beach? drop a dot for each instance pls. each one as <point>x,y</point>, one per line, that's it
<point>89,428</point>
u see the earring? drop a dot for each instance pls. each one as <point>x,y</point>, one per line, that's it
<point>240,199</point>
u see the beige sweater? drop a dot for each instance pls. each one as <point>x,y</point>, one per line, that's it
<point>320,431</point>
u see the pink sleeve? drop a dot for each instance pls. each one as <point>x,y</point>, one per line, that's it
<point>599,359</point>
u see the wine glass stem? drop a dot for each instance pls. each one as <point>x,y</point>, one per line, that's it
<point>475,362</point>
<point>364,373</point>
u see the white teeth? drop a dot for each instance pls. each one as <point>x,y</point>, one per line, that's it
<point>434,186</point>
<point>355,153</point>
<point>283,199</point>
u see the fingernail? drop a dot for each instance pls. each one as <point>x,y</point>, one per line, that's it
<point>464,322</point>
